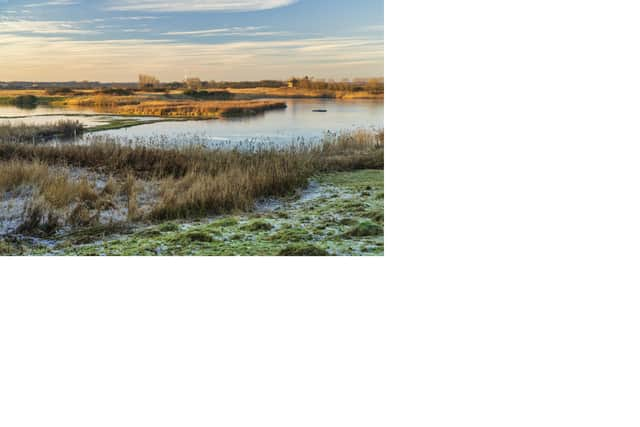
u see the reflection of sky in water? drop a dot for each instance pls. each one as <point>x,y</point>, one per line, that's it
<point>297,123</point>
<point>41,120</point>
<point>278,126</point>
<point>11,111</point>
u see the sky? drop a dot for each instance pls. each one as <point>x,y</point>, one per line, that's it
<point>115,40</point>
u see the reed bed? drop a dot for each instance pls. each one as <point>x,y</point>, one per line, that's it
<point>104,100</point>
<point>284,92</point>
<point>55,198</point>
<point>200,108</point>
<point>196,181</point>
<point>143,106</point>
<point>35,133</point>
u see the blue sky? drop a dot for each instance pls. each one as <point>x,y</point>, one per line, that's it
<point>114,40</point>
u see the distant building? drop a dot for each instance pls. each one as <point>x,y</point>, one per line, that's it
<point>293,83</point>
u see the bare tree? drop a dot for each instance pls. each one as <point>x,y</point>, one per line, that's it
<point>148,82</point>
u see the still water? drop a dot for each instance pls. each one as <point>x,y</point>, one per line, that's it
<point>297,122</point>
<point>43,115</point>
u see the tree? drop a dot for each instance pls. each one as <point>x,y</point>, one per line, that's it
<point>147,82</point>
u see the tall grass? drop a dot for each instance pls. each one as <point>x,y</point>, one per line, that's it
<point>55,185</point>
<point>142,106</point>
<point>197,181</point>
<point>29,133</point>
<point>54,198</point>
<point>200,108</point>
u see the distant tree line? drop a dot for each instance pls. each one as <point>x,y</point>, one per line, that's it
<point>218,95</point>
<point>375,86</point>
<point>149,82</point>
<point>246,84</point>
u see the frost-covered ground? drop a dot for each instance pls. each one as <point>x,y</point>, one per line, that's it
<point>338,214</point>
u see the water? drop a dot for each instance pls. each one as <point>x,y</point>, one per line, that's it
<point>43,115</point>
<point>297,122</point>
<point>11,111</point>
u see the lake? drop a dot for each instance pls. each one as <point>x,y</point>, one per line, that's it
<point>297,122</point>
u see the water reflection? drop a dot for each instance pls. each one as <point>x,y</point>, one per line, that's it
<point>296,122</point>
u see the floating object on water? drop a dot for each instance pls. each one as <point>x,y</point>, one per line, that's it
<point>319,111</point>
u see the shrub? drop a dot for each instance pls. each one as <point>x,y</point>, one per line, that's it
<point>220,95</point>
<point>59,91</point>
<point>25,101</point>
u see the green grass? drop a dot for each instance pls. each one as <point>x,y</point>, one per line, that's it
<point>127,123</point>
<point>316,227</point>
<point>117,124</point>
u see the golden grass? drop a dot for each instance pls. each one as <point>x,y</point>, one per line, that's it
<point>54,185</point>
<point>25,133</point>
<point>286,92</point>
<point>143,106</point>
<point>55,198</point>
<point>195,181</point>
<point>103,100</point>
<point>14,173</point>
<point>18,92</point>
<point>199,108</point>
<point>129,188</point>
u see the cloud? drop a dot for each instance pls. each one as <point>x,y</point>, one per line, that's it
<point>232,31</point>
<point>52,3</point>
<point>41,27</point>
<point>214,31</point>
<point>61,58</point>
<point>134,18</point>
<point>197,5</point>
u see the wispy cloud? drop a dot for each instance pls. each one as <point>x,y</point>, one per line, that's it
<point>134,18</point>
<point>25,57</point>
<point>232,31</point>
<point>42,27</point>
<point>80,39</point>
<point>197,5</point>
<point>52,3</point>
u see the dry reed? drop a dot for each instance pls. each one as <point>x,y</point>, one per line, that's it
<point>197,181</point>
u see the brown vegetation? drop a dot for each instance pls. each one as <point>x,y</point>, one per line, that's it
<point>286,92</point>
<point>55,199</point>
<point>142,106</point>
<point>200,109</point>
<point>25,132</point>
<point>197,181</point>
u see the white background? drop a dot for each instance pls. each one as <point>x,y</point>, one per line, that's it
<point>507,296</point>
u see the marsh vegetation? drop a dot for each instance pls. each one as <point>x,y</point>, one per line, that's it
<point>64,187</point>
<point>10,133</point>
<point>134,196</point>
